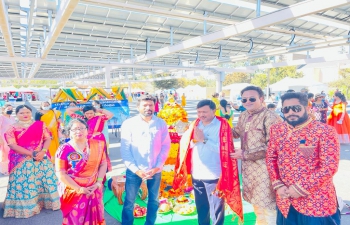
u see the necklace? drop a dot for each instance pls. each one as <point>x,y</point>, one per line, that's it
<point>25,123</point>
<point>85,154</point>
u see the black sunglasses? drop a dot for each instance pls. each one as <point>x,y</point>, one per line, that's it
<point>295,108</point>
<point>246,99</point>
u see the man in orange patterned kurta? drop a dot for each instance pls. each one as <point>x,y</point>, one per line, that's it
<point>302,158</point>
<point>253,128</point>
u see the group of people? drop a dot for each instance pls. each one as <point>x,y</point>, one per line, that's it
<point>44,173</point>
<point>287,164</point>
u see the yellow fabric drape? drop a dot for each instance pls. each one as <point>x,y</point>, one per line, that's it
<point>50,121</point>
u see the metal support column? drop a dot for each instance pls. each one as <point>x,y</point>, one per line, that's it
<point>258,8</point>
<point>205,24</point>
<point>108,76</point>
<point>147,45</point>
<point>49,12</point>
<point>171,36</point>
<point>219,79</point>
<point>131,52</point>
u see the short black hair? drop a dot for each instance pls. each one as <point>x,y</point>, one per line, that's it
<point>310,95</point>
<point>73,102</point>
<point>271,106</point>
<point>253,88</point>
<point>21,107</point>
<point>302,97</point>
<point>290,91</point>
<point>88,108</point>
<point>207,102</point>
<point>145,98</point>
<point>73,121</point>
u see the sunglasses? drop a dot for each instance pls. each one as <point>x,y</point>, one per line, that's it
<point>295,108</point>
<point>246,99</point>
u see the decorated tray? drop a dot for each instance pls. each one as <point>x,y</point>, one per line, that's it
<point>183,200</point>
<point>184,209</point>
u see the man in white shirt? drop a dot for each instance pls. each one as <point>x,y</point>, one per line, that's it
<point>145,144</point>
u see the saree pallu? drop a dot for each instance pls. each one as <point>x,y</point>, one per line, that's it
<point>5,124</point>
<point>81,209</point>
<point>32,184</point>
<point>50,119</point>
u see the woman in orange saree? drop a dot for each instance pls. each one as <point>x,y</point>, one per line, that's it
<point>80,166</point>
<point>32,181</point>
<point>52,120</point>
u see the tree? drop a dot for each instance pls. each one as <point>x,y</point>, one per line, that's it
<point>275,75</point>
<point>237,77</point>
<point>166,84</point>
<point>344,82</point>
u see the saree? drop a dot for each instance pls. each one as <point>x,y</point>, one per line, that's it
<point>50,119</point>
<point>96,126</point>
<point>79,209</point>
<point>32,184</point>
<point>228,186</point>
<point>5,124</point>
<point>343,129</point>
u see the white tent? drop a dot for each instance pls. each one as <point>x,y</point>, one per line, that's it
<point>297,84</point>
<point>8,89</point>
<point>235,89</point>
<point>25,90</point>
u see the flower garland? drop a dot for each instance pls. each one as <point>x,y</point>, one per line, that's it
<point>173,112</point>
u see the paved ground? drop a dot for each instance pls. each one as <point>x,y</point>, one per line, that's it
<point>54,217</point>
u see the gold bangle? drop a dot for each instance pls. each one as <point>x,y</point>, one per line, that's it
<point>44,149</point>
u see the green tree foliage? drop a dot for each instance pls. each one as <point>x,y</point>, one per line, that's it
<point>166,84</point>
<point>275,75</point>
<point>343,84</point>
<point>201,81</point>
<point>238,77</point>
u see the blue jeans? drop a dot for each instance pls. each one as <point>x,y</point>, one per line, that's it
<point>132,186</point>
<point>296,218</point>
<point>209,206</point>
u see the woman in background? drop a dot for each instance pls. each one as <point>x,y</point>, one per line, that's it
<point>319,108</point>
<point>52,120</point>
<point>183,100</point>
<point>98,105</point>
<point>6,120</point>
<point>339,118</point>
<point>95,122</point>
<point>156,106</point>
<point>215,99</point>
<point>226,112</point>
<point>32,181</point>
<point>80,166</point>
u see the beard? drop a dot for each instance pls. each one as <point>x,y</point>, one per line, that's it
<point>148,113</point>
<point>299,121</point>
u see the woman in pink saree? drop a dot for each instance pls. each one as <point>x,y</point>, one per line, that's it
<point>80,167</point>
<point>95,123</point>
<point>32,181</point>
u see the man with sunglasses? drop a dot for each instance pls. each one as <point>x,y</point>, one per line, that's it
<point>302,158</point>
<point>253,128</point>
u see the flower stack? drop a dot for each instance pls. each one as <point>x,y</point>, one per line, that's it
<point>172,113</point>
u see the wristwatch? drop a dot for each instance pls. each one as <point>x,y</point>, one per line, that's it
<point>205,140</point>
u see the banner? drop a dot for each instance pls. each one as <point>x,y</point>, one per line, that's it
<point>120,110</point>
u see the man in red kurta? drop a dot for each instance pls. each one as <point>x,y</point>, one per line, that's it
<point>302,158</point>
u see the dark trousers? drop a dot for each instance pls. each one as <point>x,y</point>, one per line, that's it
<point>296,218</point>
<point>209,206</point>
<point>132,186</point>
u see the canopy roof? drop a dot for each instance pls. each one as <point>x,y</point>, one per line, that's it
<point>78,39</point>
